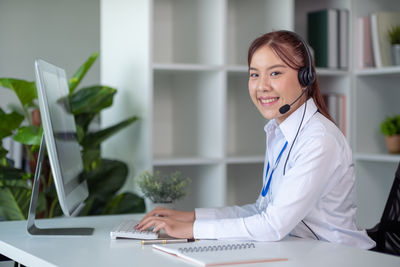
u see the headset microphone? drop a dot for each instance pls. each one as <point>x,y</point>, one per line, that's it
<point>286,108</point>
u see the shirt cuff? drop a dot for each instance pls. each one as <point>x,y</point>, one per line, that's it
<point>204,229</point>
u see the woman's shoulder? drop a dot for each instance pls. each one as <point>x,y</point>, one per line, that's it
<point>321,130</point>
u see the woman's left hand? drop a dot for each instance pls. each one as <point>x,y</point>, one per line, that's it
<point>172,227</point>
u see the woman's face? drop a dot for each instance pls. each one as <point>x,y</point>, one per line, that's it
<point>273,84</point>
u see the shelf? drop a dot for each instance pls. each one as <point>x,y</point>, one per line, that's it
<point>185,67</point>
<point>393,70</point>
<point>245,159</point>
<point>238,68</point>
<point>185,161</point>
<point>375,157</point>
<point>332,72</point>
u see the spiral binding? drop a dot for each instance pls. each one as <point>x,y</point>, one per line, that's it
<point>217,248</point>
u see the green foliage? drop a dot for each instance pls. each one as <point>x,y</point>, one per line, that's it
<point>105,177</point>
<point>394,34</point>
<point>163,188</point>
<point>391,125</point>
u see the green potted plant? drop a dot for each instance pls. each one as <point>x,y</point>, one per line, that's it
<point>162,189</point>
<point>105,177</point>
<point>394,36</point>
<point>390,127</point>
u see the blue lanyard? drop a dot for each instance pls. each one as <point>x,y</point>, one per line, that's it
<point>266,188</point>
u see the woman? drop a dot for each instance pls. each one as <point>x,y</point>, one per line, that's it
<point>308,186</point>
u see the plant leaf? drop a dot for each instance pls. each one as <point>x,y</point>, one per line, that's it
<point>25,91</point>
<point>81,72</point>
<point>9,122</point>
<point>107,179</point>
<point>125,203</point>
<point>11,173</point>
<point>29,135</point>
<point>91,158</point>
<point>9,208</point>
<point>91,99</point>
<point>95,139</point>
<point>3,152</point>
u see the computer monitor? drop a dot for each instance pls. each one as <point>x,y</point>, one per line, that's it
<point>60,138</point>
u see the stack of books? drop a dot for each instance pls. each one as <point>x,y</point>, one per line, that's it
<point>328,36</point>
<point>373,43</point>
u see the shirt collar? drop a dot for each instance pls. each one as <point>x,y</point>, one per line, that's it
<point>290,125</point>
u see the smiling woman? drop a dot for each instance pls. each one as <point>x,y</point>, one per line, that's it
<point>308,185</point>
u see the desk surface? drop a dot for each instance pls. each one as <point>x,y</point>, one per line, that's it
<point>99,250</point>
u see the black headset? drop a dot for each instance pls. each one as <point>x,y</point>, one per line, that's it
<point>306,73</point>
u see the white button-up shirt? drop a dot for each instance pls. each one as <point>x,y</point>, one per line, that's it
<point>317,189</point>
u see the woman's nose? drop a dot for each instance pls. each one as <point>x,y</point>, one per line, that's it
<point>264,84</point>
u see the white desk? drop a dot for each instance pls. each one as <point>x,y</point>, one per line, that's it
<point>98,250</point>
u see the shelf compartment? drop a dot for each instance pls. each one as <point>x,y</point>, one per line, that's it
<point>373,183</point>
<point>207,187</point>
<point>375,98</point>
<point>188,31</point>
<point>246,20</point>
<point>245,125</point>
<point>187,118</point>
<point>244,183</point>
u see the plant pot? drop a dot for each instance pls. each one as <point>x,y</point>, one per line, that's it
<point>393,143</point>
<point>150,205</point>
<point>396,54</point>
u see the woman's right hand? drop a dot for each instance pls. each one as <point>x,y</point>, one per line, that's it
<point>184,216</point>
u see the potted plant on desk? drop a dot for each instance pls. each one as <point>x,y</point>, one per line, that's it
<point>390,127</point>
<point>162,190</point>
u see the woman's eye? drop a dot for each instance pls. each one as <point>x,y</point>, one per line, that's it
<point>253,75</point>
<point>275,73</point>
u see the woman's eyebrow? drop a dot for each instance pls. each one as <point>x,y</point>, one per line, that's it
<point>270,67</point>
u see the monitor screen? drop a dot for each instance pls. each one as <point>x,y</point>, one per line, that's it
<point>59,131</point>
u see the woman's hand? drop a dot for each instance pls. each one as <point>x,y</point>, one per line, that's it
<point>172,227</point>
<point>184,216</point>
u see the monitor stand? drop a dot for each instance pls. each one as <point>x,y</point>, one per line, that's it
<point>32,228</point>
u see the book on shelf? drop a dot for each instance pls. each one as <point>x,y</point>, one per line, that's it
<point>328,35</point>
<point>381,22</point>
<point>336,104</point>
<point>365,55</point>
<point>221,252</point>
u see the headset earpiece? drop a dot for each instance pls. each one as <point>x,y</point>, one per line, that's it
<point>305,77</point>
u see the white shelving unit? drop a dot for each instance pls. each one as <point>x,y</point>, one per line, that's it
<point>181,65</point>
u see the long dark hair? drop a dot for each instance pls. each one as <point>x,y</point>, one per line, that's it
<point>292,51</point>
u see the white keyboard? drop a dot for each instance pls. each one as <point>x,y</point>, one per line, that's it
<point>126,229</point>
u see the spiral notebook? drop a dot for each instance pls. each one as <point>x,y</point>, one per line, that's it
<point>216,253</point>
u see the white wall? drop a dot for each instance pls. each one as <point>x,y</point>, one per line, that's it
<point>63,32</point>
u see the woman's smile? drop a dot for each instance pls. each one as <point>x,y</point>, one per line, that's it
<point>267,101</point>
